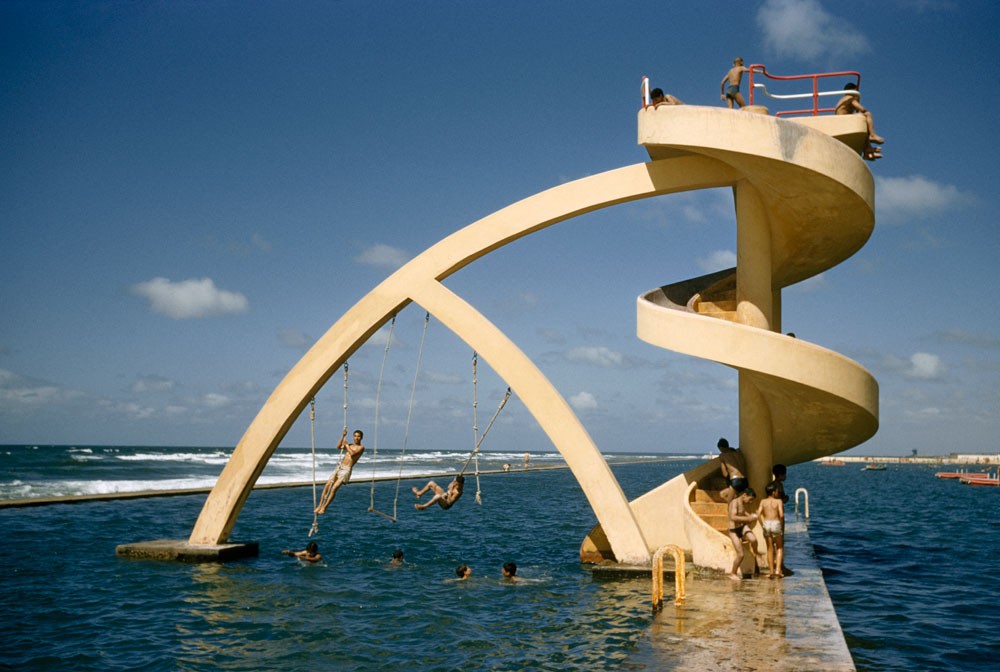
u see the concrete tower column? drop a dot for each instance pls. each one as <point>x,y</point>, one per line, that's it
<point>755,308</point>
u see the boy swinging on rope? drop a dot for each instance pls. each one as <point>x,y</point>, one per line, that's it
<point>444,498</point>
<point>343,472</point>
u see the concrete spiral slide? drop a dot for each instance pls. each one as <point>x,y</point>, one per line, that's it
<point>804,203</point>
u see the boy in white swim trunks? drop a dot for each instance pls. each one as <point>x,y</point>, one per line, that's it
<point>342,475</point>
<point>772,518</point>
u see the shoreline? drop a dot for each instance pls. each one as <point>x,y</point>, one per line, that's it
<point>181,492</point>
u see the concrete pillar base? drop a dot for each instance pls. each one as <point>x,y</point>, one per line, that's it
<point>180,550</point>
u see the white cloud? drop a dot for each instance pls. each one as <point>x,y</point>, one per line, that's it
<point>383,256</point>
<point>988,341</point>
<point>294,338</point>
<point>915,196</point>
<point>718,261</point>
<point>583,401</point>
<point>18,392</point>
<point>814,284</point>
<point>925,366</point>
<point>802,28</point>
<point>598,356</point>
<point>215,400</point>
<point>443,378</point>
<point>152,383</point>
<point>189,298</point>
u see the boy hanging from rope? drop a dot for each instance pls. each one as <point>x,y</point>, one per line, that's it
<point>342,474</point>
<point>444,498</point>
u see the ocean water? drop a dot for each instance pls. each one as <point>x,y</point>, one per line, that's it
<point>909,561</point>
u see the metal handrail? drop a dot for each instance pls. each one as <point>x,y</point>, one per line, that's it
<point>806,493</point>
<point>679,590</point>
<point>815,110</point>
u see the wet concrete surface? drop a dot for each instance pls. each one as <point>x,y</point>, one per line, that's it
<point>754,624</point>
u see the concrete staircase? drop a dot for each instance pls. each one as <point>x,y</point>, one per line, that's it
<point>718,300</point>
<point>707,502</point>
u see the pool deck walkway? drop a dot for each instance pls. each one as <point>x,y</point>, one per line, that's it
<point>761,624</point>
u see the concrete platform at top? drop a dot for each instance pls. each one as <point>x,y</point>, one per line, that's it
<point>781,625</point>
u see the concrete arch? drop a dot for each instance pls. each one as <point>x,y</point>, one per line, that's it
<point>419,280</point>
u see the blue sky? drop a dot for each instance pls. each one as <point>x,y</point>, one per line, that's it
<point>191,193</point>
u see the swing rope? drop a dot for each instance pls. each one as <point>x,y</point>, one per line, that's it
<point>312,430</point>
<point>409,413</point>
<point>378,404</point>
<point>312,433</point>
<point>479,439</point>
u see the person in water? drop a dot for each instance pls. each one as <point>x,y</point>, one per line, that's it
<point>509,571</point>
<point>443,498</point>
<point>463,572</point>
<point>310,554</point>
<point>342,475</point>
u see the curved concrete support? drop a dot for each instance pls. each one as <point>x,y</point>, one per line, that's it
<point>804,204</point>
<point>221,509</point>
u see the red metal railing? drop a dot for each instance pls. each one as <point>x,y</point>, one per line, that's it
<point>815,110</point>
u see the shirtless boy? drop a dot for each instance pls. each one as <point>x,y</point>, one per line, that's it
<point>739,529</point>
<point>310,554</point>
<point>444,498</point>
<point>657,98</point>
<point>772,518</point>
<point>730,85</point>
<point>509,571</point>
<point>851,104</point>
<point>733,467</point>
<point>342,474</point>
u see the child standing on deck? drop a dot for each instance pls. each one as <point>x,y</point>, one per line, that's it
<point>739,529</point>
<point>772,518</point>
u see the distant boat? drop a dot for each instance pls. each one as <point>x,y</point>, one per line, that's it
<point>950,474</point>
<point>980,479</point>
<point>874,466</point>
<point>832,463</point>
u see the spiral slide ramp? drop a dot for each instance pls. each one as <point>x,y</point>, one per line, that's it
<point>804,203</point>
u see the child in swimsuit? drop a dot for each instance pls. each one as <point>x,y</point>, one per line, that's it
<point>730,85</point>
<point>443,498</point>
<point>739,529</point>
<point>310,554</point>
<point>772,517</point>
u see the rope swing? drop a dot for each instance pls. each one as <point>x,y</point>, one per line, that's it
<point>406,432</point>
<point>378,406</point>
<point>477,439</point>
<point>312,431</point>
